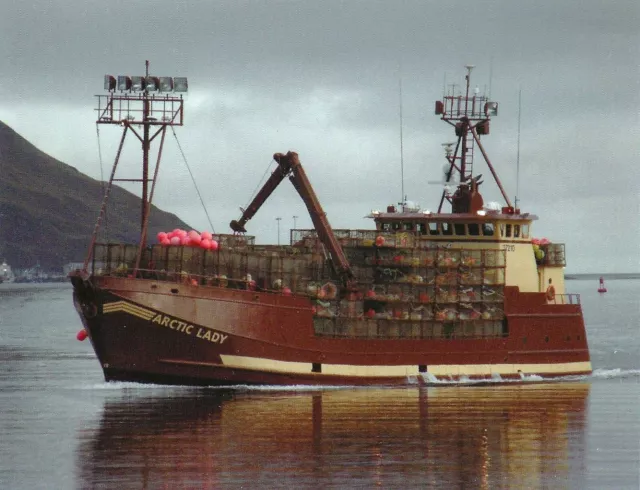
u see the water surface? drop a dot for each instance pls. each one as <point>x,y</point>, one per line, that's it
<point>62,426</point>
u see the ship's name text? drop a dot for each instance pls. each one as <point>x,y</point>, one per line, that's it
<point>188,329</point>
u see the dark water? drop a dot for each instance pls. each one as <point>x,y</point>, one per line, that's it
<point>62,426</point>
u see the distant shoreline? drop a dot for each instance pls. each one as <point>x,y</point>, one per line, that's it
<point>612,276</point>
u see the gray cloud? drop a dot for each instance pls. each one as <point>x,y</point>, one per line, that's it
<point>322,78</point>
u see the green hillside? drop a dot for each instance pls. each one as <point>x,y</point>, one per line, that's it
<point>48,209</point>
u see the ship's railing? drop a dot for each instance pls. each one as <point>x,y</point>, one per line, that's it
<point>566,299</point>
<point>264,268</point>
<point>361,238</point>
<point>350,239</point>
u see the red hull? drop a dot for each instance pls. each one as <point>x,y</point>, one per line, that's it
<point>150,331</point>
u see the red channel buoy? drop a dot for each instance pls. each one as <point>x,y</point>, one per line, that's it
<point>82,334</point>
<point>602,289</point>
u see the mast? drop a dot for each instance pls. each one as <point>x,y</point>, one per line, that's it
<point>518,152</point>
<point>153,103</point>
<point>145,153</point>
<point>470,115</point>
<point>402,200</point>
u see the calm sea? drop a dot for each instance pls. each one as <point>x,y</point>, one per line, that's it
<point>62,426</point>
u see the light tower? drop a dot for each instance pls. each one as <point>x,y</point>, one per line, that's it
<point>142,101</point>
<point>147,105</point>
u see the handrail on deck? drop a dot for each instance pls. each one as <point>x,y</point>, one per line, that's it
<point>566,299</point>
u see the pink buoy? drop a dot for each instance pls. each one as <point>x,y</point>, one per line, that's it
<point>175,240</point>
<point>379,241</point>
<point>184,240</point>
<point>81,335</point>
<point>206,235</point>
<point>205,243</point>
<point>165,242</point>
<point>161,236</point>
<point>286,291</point>
<point>214,245</point>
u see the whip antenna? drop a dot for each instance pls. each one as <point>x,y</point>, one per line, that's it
<point>518,151</point>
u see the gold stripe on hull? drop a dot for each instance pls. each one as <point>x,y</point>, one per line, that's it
<point>127,307</point>
<point>270,365</point>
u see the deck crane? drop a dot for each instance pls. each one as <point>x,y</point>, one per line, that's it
<point>289,166</point>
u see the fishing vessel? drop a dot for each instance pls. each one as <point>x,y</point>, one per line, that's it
<point>465,293</point>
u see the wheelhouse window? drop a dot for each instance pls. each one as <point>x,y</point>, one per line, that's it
<point>407,226</point>
<point>505,230</point>
<point>474,229</point>
<point>516,231</point>
<point>395,226</point>
<point>433,228</point>
<point>508,231</point>
<point>447,229</point>
<point>386,226</point>
<point>488,229</point>
<point>525,231</point>
<point>460,229</point>
<point>421,228</point>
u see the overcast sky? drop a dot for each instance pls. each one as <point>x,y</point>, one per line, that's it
<point>322,78</point>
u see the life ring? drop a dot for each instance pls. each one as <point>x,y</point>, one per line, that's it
<point>329,290</point>
<point>551,293</point>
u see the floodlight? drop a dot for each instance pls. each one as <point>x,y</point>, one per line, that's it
<point>109,83</point>
<point>152,84</point>
<point>180,84</point>
<point>166,84</point>
<point>137,84</point>
<point>124,83</point>
<point>491,109</point>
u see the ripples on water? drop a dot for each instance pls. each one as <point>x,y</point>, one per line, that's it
<point>62,426</point>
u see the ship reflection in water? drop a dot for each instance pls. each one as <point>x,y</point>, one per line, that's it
<point>518,436</point>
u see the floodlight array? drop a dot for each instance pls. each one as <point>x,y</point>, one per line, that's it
<point>126,83</point>
<point>491,108</point>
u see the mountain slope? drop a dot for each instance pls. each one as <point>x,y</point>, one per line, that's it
<point>48,209</point>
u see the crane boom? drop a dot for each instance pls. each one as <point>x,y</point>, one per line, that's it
<point>289,165</point>
<point>270,185</point>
